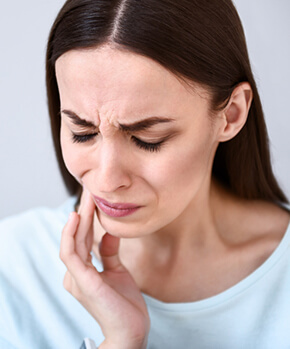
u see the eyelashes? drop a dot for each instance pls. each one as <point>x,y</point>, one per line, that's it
<point>150,147</point>
<point>147,146</point>
<point>82,138</point>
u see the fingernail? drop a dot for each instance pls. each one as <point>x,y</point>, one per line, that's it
<point>70,216</point>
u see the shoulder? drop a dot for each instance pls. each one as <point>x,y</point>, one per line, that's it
<point>254,230</point>
<point>245,221</point>
<point>38,214</point>
<point>23,226</point>
<point>255,220</point>
<point>264,231</point>
<point>27,236</point>
<point>30,270</point>
<point>268,220</point>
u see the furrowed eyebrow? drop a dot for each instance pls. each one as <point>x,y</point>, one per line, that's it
<point>134,127</point>
<point>144,124</point>
<point>77,120</point>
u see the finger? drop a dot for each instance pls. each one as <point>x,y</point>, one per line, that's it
<point>67,245</point>
<point>70,285</point>
<point>84,236</point>
<point>109,252</point>
<point>87,203</point>
<point>86,212</point>
<point>67,282</point>
<point>81,278</point>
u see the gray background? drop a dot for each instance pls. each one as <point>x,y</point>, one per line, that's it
<point>29,175</point>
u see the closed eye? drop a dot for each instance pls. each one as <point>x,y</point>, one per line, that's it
<point>152,147</point>
<point>83,138</point>
<point>147,146</point>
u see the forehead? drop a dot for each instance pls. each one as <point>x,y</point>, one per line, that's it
<point>108,79</point>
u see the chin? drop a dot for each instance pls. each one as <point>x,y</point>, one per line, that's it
<point>123,229</point>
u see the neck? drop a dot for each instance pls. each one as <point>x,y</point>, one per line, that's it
<point>218,241</point>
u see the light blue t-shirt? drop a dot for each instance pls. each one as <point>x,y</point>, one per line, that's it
<point>37,313</point>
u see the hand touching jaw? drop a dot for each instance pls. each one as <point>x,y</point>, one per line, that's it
<point>111,297</point>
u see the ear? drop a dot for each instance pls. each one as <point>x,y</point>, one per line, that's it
<point>236,111</point>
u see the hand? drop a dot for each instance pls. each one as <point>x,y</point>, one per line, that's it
<point>112,296</point>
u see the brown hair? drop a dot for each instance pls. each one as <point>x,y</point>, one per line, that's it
<point>202,41</point>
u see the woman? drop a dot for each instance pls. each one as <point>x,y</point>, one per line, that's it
<point>158,123</point>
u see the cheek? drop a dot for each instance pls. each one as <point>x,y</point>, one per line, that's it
<point>181,170</point>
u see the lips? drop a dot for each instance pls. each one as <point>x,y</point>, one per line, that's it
<point>115,209</point>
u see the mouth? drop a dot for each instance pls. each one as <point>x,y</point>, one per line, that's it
<point>116,210</point>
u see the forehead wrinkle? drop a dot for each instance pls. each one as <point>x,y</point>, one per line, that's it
<point>114,87</point>
<point>108,121</point>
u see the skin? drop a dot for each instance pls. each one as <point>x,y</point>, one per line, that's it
<point>185,232</point>
<point>136,89</point>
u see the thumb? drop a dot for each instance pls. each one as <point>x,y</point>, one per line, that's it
<point>109,252</point>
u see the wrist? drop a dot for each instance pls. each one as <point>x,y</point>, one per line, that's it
<point>124,344</point>
<point>128,340</point>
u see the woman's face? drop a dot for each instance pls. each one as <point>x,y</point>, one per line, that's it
<point>141,141</point>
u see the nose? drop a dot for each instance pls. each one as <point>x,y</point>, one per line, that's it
<point>112,171</point>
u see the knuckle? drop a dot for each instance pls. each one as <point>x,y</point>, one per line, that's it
<point>67,282</point>
<point>62,256</point>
